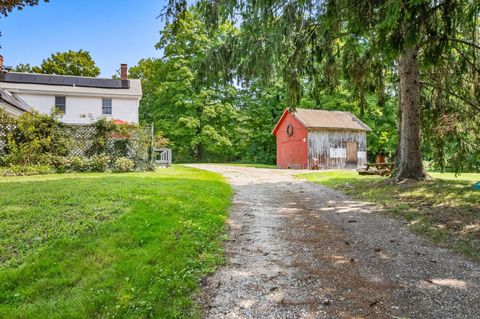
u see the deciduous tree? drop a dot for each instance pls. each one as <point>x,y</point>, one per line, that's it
<point>201,121</point>
<point>79,63</point>
<point>23,68</point>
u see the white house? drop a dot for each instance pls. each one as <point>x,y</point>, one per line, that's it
<point>80,99</point>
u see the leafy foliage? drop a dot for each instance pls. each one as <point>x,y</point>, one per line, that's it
<point>26,170</point>
<point>262,107</point>
<point>8,6</point>
<point>201,123</point>
<point>78,63</point>
<point>207,119</point>
<point>123,165</point>
<point>41,140</point>
<point>32,138</point>
<point>69,164</point>
<point>23,68</point>
<point>322,48</point>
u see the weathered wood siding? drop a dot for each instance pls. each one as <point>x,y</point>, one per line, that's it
<point>330,148</point>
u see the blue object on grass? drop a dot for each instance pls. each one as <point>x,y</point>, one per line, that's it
<point>476,186</point>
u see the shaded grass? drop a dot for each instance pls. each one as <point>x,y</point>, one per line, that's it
<point>106,245</point>
<point>445,209</point>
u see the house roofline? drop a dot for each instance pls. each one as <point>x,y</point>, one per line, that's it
<point>63,80</point>
<point>114,93</point>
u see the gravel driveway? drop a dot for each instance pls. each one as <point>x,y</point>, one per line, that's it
<point>301,250</point>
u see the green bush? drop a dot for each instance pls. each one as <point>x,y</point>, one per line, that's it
<point>123,164</point>
<point>40,140</point>
<point>33,136</point>
<point>97,163</point>
<point>77,164</point>
<point>59,163</point>
<point>143,166</point>
<point>25,170</point>
<point>110,138</point>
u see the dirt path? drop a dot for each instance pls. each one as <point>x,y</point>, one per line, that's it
<point>300,250</point>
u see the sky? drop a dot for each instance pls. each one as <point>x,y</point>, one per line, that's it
<point>113,31</point>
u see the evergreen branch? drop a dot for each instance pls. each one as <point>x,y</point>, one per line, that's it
<point>471,44</point>
<point>466,59</point>
<point>472,104</point>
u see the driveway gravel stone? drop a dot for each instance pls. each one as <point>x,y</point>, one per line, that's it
<point>301,250</point>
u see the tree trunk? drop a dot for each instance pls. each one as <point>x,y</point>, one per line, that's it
<point>197,153</point>
<point>398,151</point>
<point>411,165</point>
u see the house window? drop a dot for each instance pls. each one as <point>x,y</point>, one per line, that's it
<point>107,106</point>
<point>60,103</point>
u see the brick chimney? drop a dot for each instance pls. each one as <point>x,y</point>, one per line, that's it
<point>123,71</point>
<point>1,62</point>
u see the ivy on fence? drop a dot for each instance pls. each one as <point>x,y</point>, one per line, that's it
<point>39,139</point>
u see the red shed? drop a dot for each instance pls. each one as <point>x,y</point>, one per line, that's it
<point>311,139</point>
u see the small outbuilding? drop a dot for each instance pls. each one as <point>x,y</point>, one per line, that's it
<point>318,139</point>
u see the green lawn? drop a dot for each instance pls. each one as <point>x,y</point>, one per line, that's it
<point>109,245</point>
<point>445,209</point>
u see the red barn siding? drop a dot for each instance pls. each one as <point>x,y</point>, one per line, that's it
<point>292,151</point>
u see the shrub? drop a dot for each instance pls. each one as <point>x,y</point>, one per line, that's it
<point>151,167</point>
<point>59,163</point>
<point>147,166</point>
<point>31,137</point>
<point>42,140</point>
<point>160,141</point>
<point>25,170</point>
<point>111,138</point>
<point>123,164</point>
<point>77,164</point>
<point>98,163</point>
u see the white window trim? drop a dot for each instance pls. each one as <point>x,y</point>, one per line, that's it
<point>64,111</point>
<point>107,106</point>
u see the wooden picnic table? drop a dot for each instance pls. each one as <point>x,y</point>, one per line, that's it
<point>382,169</point>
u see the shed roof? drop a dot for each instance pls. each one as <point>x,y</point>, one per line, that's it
<point>322,119</point>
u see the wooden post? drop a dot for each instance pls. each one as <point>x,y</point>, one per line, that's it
<point>152,134</point>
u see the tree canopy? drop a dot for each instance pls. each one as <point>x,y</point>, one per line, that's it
<point>409,69</point>
<point>79,63</point>
<point>8,6</point>
<point>208,119</point>
<point>202,123</point>
<point>421,54</point>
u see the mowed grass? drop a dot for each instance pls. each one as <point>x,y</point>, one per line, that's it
<point>446,209</point>
<point>109,245</point>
